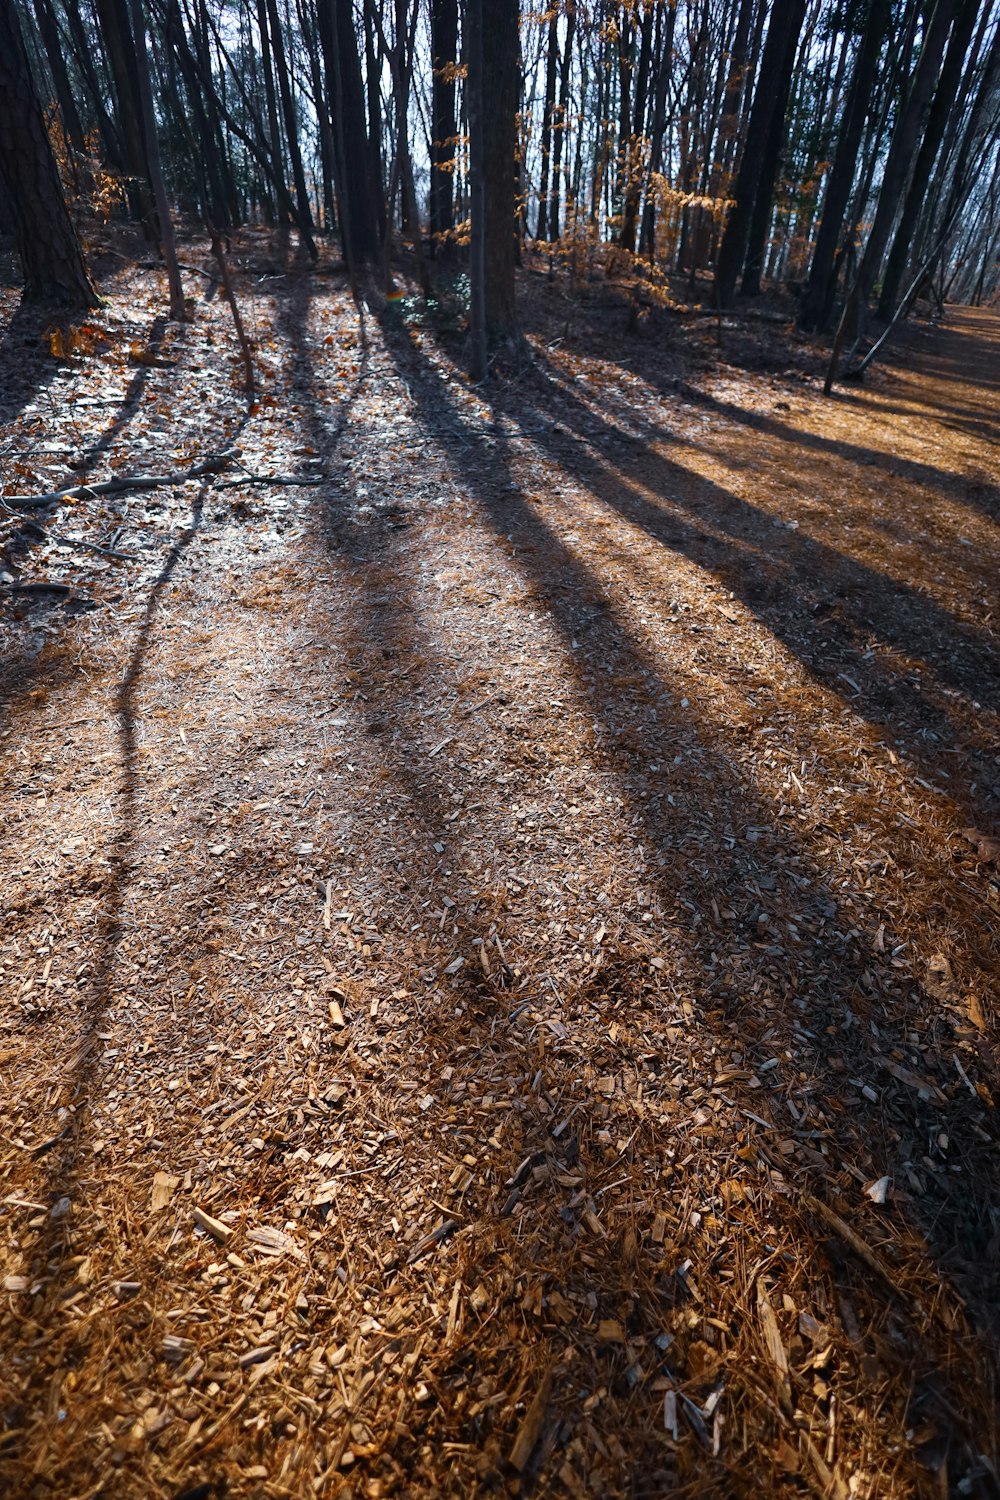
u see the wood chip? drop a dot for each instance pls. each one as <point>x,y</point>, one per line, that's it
<point>214,1227</point>
<point>530,1429</point>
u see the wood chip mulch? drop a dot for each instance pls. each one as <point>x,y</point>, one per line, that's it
<point>498,981</point>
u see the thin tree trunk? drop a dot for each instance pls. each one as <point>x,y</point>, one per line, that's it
<point>647,237</point>
<point>444,132</point>
<point>373,70</point>
<point>494,95</point>
<point>763,199</point>
<point>633,185</point>
<point>474,21</point>
<point>548,124</point>
<point>357,197</point>
<point>83,49</point>
<point>288,113</point>
<point>559,125</point>
<point>153,165</point>
<point>270,99</point>
<point>899,163</point>
<point>117,34</point>
<point>54,52</point>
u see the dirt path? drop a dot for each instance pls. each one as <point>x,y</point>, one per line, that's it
<point>470,922</point>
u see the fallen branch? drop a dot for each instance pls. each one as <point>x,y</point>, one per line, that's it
<point>279,479</point>
<point>69,541</point>
<point>38,588</point>
<point>428,1242</point>
<point>115,486</point>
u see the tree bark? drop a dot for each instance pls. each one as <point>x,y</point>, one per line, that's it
<point>271,102</point>
<point>357,193</point>
<point>473,40</point>
<point>82,52</point>
<point>817,298</point>
<point>120,44</point>
<point>899,163</point>
<point>500,82</point>
<point>763,198</point>
<point>782,32</point>
<point>548,113</point>
<point>937,120</point>
<point>647,235</point>
<point>47,243</point>
<point>288,113</point>
<point>153,165</point>
<point>559,126</point>
<point>633,185</point>
<point>444,49</point>
<point>494,80</point>
<point>54,52</point>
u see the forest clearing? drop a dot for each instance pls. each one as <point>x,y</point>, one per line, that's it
<point>500,940</point>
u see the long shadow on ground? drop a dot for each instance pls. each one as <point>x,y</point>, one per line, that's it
<point>695,851</point>
<point>842,619</point>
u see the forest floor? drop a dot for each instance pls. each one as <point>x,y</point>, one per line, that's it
<point>500,943</point>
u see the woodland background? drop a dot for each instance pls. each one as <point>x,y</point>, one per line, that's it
<point>696,149</point>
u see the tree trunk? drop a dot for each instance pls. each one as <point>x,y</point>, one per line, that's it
<point>271,101</point>
<point>559,125</point>
<point>623,162</point>
<point>647,236</point>
<point>633,186</point>
<point>937,120</point>
<point>728,131</point>
<point>782,33</point>
<point>357,195</point>
<point>473,46</point>
<point>548,124</point>
<point>219,188</point>
<point>118,39</point>
<point>444,132</point>
<point>373,72</point>
<point>47,243</point>
<point>291,123</point>
<point>763,199</point>
<point>54,52</point>
<point>82,52</point>
<point>322,111</point>
<point>153,165</point>
<point>817,298</point>
<point>493,81</point>
<point>909,129</point>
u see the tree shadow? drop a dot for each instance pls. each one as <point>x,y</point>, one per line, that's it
<point>26,366</point>
<point>945,481</point>
<point>964,356</point>
<point>131,399</point>
<point>44,1345</point>
<point>851,627</point>
<point>691,848</point>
